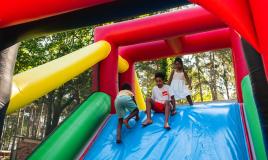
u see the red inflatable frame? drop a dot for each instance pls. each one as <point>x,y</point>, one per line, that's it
<point>245,16</point>
<point>152,37</point>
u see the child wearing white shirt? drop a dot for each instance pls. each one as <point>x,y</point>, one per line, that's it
<point>177,82</point>
<point>162,100</point>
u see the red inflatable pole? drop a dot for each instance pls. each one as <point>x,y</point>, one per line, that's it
<point>108,75</point>
<point>239,63</point>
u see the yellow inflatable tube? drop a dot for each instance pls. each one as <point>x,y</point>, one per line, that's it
<point>34,83</point>
<point>122,65</point>
<point>138,95</point>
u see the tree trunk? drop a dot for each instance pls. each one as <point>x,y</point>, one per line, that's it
<point>45,122</point>
<point>9,141</point>
<point>32,122</point>
<point>212,92</point>
<point>55,120</point>
<point>28,124</point>
<point>227,90</point>
<point>77,94</point>
<point>213,84</point>
<point>39,125</point>
<point>22,123</point>
<point>3,141</point>
<point>199,78</point>
<point>163,67</point>
<point>49,114</point>
<point>15,131</point>
<point>224,63</point>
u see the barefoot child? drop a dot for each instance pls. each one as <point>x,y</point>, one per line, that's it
<point>162,100</point>
<point>177,82</point>
<point>125,101</point>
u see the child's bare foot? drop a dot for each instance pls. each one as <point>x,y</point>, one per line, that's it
<point>147,122</point>
<point>118,141</point>
<point>126,123</point>
<point>173,112</point>
<point>166,126</point>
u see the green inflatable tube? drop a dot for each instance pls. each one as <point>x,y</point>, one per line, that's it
<point>70,137</point>
<point>253,119</point>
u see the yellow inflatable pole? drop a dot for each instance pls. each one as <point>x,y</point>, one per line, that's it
<point>122,65</point>
<point>138,95</point>
<point>34,83</point>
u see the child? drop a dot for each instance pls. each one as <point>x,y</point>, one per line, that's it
<point>177,82</point>
<point>125,101</point>
<point>160,101</point>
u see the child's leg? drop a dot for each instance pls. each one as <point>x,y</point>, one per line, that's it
<point>118,132</point>
<point>173,109</point>
<point>173,105</point>
<point>132,114</point>
<point>167,110</point>
<point>137,116</point>
<point>148,121</point>
<point>189,99</point>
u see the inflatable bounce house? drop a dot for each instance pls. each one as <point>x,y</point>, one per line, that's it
<point>205,131</point>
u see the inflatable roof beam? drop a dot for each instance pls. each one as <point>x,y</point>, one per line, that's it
<point>175,44</point>
<point>159,26</point>
<point>36,82</point>
<point>199,42</point>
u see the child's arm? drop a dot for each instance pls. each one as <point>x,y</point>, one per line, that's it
<point>170,77</point>
<point>188,80</point>
<point>133,98</point>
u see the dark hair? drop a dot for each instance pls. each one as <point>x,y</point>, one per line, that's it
<point>126,86</point>
<point>178,59</point>
<point>159,75</point>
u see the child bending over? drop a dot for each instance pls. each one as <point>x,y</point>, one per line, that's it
<point>125,101</point>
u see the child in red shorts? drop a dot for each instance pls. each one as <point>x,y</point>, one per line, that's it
<point>162,100</point>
